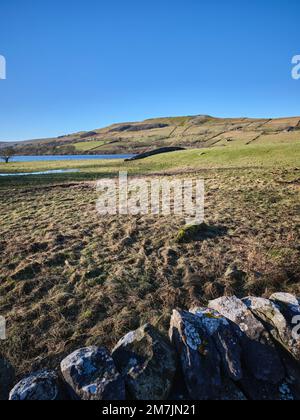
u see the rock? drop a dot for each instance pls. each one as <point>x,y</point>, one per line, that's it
<point>198,232</point>
<point>286,393</point>
<point>40,386</point>
<point>179,390</point>
<point>230,391</point>
<point>290,308</point>
<point>259,353</point>
<point>292,368</point>
<point>190,232</point>
<point>285,298</point>
<point>276,323</point>
<point>7,377</point>
<point>264,391</point>
<point>92,375</point>
<point>147,362</point>
<point>225,338</point>
<point>199,358</point>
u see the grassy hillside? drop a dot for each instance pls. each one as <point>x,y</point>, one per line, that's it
<point>88,146</point>
<point>189,132</point>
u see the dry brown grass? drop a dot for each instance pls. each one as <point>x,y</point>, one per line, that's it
<point>70,278</point>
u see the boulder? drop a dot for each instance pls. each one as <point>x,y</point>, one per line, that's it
<point>179,390</point>
<point>265,391</point>
<point>198,232</point>
<point>40,386</point>
<point>200,361</point>
<point>147,362</point>
<point>276,323</point>
<point>7,377</point>
<point>92,375</point>
<point>231,391</point>
<point>292,368</point>
<point>285,298</point>
<point>290,308</point>
<point>259,353</point>
<point>225,338</point>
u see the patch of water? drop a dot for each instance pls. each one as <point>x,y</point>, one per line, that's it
<point>55,171</point>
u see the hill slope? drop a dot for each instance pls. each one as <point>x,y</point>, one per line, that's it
<point>190,132</point>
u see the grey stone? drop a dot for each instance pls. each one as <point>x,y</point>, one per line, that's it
<point>147,362</point>
<point>199,357</point>
<point>231,391</point>
<point>92,375</point>
<point>40,386</point>
<point>290,309</point>
<point>277,324</point>
<point>259,353</point>
<point>285,298</point>
<point>7,377</point>
<point>225,338</point>
<point>292,368</point>
<point>179,390</point>
<point>265,391</point>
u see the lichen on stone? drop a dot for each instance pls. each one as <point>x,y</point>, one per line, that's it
<point>193,339</point>
<point>210,319</point>
<point>285,392</point>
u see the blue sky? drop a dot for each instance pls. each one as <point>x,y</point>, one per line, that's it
<point>77,65</point>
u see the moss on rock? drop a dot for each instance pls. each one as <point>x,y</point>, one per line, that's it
<point>191,232</point>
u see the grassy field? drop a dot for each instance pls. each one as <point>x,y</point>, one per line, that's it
<point>69,277</point>
<point>263,156</point>
<point>84,146</point>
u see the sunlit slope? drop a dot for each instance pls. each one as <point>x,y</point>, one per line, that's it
<point>190,132</point>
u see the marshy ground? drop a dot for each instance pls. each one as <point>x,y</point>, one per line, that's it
<point>70,278</point>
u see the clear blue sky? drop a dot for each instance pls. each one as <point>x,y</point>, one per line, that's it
<point>77,65</point>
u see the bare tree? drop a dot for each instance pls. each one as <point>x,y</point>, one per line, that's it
<point>6,154</point>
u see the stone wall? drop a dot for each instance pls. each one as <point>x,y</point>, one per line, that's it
<point>231,350</point>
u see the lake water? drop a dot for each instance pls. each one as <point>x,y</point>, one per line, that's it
<point>54,171</point>
<point>58,158</point>
<point>67,157</point>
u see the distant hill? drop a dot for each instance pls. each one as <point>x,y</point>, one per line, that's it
<point>200,131</point>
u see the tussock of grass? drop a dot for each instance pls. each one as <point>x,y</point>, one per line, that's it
<point>199,232</point>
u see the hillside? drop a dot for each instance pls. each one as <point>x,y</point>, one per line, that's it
<point>190,132</point>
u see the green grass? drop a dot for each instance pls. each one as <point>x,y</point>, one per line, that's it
<point>263,156</point>
<point>84,146</point>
